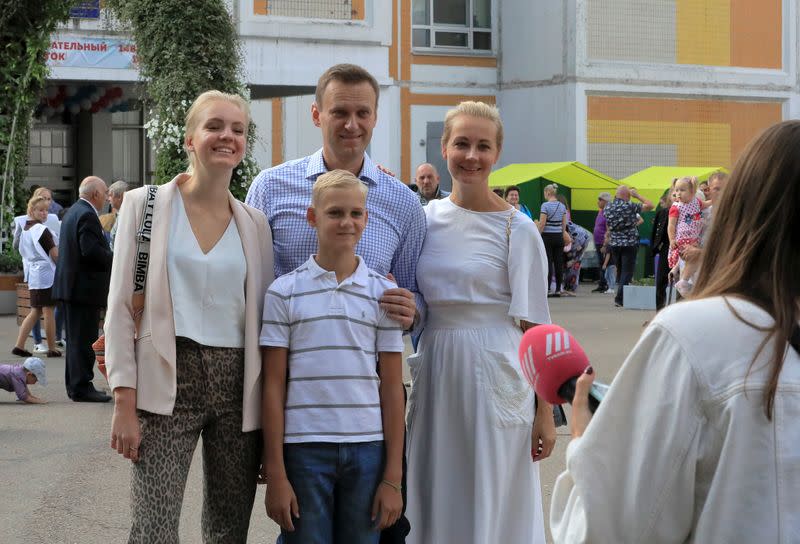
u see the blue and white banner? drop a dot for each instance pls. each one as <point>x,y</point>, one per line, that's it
<point>82,52</point>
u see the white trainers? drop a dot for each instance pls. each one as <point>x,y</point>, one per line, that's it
<point>611,292</point>
<point>40,348</point>
<point>61,343</point>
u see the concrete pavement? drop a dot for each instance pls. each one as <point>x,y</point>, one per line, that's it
<point>63,484</point>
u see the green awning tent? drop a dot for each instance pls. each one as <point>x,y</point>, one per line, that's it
<point>652,182</point>
<point>577,182</point>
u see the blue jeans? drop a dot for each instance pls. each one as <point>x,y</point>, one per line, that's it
<point>37,327</point>
<point>335,485</point>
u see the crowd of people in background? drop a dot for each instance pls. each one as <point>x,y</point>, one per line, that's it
<point>66,259</point>
<point>273,329</point>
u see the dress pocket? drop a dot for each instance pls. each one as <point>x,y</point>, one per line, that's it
<point>509,396</point>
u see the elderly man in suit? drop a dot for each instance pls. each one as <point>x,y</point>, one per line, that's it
<point>81,283</point>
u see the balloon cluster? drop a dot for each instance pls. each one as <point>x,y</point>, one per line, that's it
<point>60,98</point>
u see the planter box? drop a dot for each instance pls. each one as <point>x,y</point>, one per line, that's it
<point>22,304</point>
<point>8,293</point>
<point>639,297</point>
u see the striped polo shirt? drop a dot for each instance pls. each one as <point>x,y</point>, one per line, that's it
<point>334,332</point>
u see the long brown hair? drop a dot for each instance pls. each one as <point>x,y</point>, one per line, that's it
<point>754,242</point>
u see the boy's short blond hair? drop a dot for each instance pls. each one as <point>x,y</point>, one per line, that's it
<point>336,179</point>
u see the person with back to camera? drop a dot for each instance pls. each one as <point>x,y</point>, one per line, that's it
<point>553,227</point>
<point>183,358</point>
<point>333,422</point>
<point>475,433</point>
<point>623,219</point>
<point>696,440</point>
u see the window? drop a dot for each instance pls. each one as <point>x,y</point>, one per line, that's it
<point>344,10</point>
<point>50,145</point>
<point>134,158</point>
<point>457,25</point>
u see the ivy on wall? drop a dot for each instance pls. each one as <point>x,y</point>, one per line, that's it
<point>25,29</point>
<point>184,48</point>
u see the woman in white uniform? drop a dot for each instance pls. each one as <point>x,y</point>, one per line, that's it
<point>474,428</point>
<point>38,246</point>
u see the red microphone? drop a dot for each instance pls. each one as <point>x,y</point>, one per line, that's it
<point>552,360</point>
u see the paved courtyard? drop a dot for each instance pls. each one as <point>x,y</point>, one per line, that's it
<point>63,484</point>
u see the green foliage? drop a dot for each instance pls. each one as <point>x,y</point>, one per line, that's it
<point>26,29</point>
<point>10,261</point>
<point>649,281</point>
<point>184,48</point>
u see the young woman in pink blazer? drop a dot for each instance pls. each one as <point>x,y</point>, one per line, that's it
<point>190,365</point>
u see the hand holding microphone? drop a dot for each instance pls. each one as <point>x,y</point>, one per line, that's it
<point>558,369</point>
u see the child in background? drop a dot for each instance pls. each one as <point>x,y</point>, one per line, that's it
<point>703,188</point>
<point>684,227</point>
<point>332,419</point>
<point>17,378</point>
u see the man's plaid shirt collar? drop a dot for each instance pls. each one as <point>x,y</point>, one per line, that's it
<point>316,167</point>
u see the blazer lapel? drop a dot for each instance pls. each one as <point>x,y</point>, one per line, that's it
<point>247,234</point>
<point>157,294</point>
<point>253,293</point>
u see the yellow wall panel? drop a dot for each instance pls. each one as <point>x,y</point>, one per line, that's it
<point>703,32</point>
<point>697,143</point>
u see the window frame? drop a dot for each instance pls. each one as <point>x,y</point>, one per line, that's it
<point>469,29</point>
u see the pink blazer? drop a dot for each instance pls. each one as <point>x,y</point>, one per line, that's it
<point>147,362</point>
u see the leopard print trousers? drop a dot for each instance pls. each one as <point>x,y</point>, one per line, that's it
<point>208,404</point>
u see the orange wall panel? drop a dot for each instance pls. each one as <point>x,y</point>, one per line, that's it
<point>756,33</point>
<point>745,119</point>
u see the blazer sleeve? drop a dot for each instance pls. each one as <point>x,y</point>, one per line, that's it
<point>119,323</point>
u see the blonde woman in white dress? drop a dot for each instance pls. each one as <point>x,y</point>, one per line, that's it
<point>475,432</point>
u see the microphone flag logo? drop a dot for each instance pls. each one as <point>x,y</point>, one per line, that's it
<point>549,357</point>
<point>559,339</point>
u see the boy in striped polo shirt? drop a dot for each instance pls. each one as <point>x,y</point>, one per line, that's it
<point>332,417</point>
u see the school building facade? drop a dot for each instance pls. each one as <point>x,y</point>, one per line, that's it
<point>617,84</point>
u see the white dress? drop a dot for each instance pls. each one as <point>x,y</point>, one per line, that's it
<point>470,474</point>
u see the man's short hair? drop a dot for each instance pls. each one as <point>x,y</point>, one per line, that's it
<point>509,189</point>
<point>89,185</point>
<point>349,74</point>
<point>336,179</point>
<point>118,187</point>
<point>719,174</point>
<point>435,171</point>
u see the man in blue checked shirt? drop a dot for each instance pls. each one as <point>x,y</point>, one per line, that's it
<point>345,109</point>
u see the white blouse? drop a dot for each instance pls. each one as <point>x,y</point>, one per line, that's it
<point>207,289</point>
